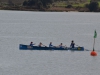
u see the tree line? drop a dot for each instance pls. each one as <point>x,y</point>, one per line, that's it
<point>38,3</point>
<point>92,6</point>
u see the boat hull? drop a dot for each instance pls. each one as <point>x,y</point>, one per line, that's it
<point>28,47</point>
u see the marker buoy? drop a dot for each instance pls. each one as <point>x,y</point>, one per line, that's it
<point>93,53</point>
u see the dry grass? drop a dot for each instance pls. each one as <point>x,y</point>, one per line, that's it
<point>61,9</point>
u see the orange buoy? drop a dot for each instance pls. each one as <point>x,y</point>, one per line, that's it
<point>93,53</point>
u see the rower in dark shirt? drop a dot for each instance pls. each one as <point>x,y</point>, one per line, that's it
<point>72,44</point>
<point>31,44</point>
<point>50,45</point>
<point>61,45</point>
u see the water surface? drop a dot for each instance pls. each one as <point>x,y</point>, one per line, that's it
<point>22,27</point>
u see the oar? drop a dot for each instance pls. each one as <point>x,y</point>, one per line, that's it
<point>44,45</point>
<point>77,45</point>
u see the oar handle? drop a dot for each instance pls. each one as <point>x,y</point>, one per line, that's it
<point>77,45</point>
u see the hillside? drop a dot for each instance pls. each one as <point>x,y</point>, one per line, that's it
<point>21,1</point>
<point>67,5</point>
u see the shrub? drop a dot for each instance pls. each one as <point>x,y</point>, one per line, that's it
<point>69,6</point>
<point>93,6</point>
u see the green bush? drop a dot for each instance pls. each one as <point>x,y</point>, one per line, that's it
<point>69,6</point>
<point>93,6</point>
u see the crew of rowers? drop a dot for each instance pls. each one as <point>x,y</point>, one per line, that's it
<point>50,45</point>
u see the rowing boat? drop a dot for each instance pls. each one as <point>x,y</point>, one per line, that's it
<point>28,47</point>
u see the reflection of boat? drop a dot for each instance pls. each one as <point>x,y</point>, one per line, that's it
<point>28,47</point>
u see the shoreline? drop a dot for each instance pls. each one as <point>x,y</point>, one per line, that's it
<point>53,9</point>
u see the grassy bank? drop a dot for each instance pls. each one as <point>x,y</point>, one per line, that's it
<point>56,6</point>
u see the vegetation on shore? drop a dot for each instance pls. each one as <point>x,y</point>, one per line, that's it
<point>53,5</point>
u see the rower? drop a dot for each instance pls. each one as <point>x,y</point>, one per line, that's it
<point>72,44</point>
<point>61,45</point>
<point>31,44</point>
<point>40,45</point>
<point>50,45</point>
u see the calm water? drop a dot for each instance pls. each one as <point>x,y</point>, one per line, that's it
<point>22,27</point>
